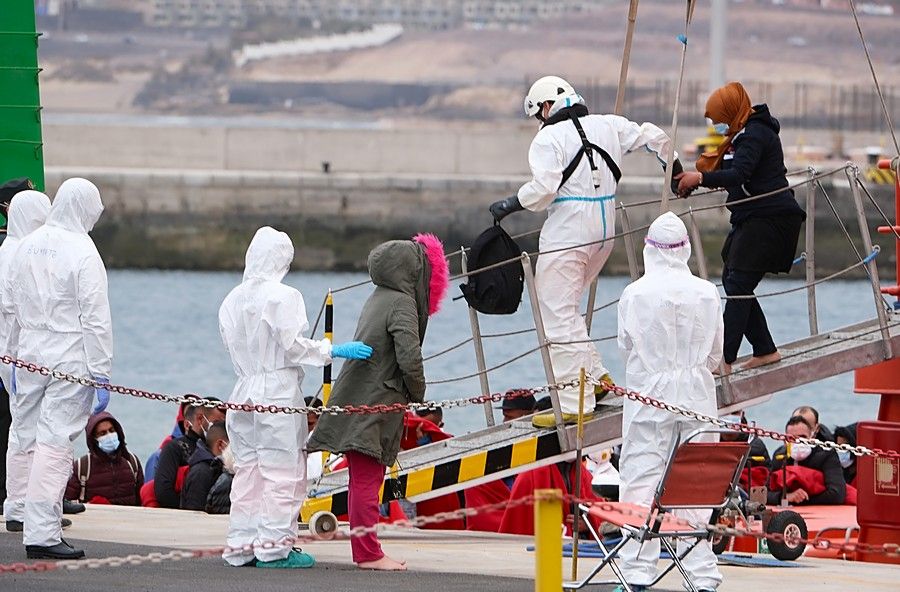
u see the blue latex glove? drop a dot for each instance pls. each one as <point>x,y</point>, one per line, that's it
<point>13,381</point>
<point>352,350</point>
<point>102,395</point>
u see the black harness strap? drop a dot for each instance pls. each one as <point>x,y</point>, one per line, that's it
<point>589,148</point>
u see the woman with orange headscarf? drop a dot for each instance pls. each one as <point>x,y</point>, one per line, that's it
<point>764,229</point>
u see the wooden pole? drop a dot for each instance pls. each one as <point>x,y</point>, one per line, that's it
<point>664,205</point>
<point>620,104</point>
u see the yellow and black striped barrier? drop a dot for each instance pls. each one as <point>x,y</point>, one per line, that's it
<point>455,472</point>
<point>880,176</point>
<point>329,335</point>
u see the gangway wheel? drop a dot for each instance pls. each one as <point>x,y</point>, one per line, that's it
<point>323,525</point>
<point>792,527</point>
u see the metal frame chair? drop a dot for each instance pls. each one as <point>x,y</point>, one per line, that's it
<point>719,463</point>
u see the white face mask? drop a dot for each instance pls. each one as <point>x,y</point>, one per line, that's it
<point>800,451</point>
<point>227,458</point>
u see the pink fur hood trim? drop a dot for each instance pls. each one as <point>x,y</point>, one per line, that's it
<point>440,271</point>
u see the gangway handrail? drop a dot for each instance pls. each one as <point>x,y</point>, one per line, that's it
<point>812,181</point>
<point>613,237</point>
<point>809,285</point>
<point>748,199</point>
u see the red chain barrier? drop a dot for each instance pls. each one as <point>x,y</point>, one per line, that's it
<point>739,427</point>
<point>888,549</point>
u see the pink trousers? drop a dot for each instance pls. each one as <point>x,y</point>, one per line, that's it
<point>366,477</point>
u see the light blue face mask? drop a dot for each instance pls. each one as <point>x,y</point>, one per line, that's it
<point>108,443</point>
<point>721,128</point>
<point>846,458</point>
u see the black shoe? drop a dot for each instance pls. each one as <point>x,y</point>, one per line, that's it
<point>14,526</point>
<point>63,550</point>
<point>70,507</point>
<point>17,526</point>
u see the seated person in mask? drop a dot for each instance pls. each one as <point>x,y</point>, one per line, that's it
<point>809,466</point>
<point>847,435</point>
<point>177,452</point>
<point>205,467</point>
<point>108,473</point>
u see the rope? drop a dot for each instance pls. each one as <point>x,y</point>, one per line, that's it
<point>829,343</point>
<point>846,232</point>
<point>615,236</point>
<point>884,108</point>
<point>487,370</point>
<point>508,333</point>
<point>448,350</point>
<point>884,216</point>
<point>319,316</point>
<point>738,427</point>
<point>835,275</point>
<point>889,549</point>
<point>604,506</point>
<point>287,542</point>
<point>198,401</point>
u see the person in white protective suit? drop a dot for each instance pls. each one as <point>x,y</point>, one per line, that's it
<point>262,323</point>
<point>27,212</point>
<point>58,291</point>
<point>575,161</point>
<point>670,331</point>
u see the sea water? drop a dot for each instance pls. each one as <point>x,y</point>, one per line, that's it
<point>167,340</point>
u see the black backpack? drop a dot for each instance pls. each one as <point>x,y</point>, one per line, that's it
<point>497,290</point>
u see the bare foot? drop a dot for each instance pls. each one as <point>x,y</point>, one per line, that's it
<point>383,564</point>
<point>722,370</point>
<point>757,361</point>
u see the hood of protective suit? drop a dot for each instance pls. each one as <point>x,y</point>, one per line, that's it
<point>668,246</point>
<point>76,207</point>
<point>27,212</point>
<point>269,256</point>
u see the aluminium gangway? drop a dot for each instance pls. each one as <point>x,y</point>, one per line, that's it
<point>499,451</point>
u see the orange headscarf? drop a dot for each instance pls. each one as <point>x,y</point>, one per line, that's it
<point>729,104</point>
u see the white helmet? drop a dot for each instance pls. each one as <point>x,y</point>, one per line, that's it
<point>549,88</point>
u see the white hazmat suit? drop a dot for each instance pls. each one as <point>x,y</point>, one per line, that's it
<point>27,212</point>
<point>579,213</point>
<point>60,299</point>
<point>670,330</point>
<point>262,322</point>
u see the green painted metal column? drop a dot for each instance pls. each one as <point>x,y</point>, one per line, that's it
<point>21,146</point>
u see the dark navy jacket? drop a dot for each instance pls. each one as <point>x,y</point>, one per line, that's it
<point>204,470</point>
<point>754,165</point>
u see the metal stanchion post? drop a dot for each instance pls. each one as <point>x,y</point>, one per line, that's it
<point>479,349</point>
<point>545,350</point>
<point>579,444</point>
<point>547,542</point>
<point>810,247</point>
<point>871,266</point>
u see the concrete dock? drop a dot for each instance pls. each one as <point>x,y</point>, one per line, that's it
<point>438,560</point>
